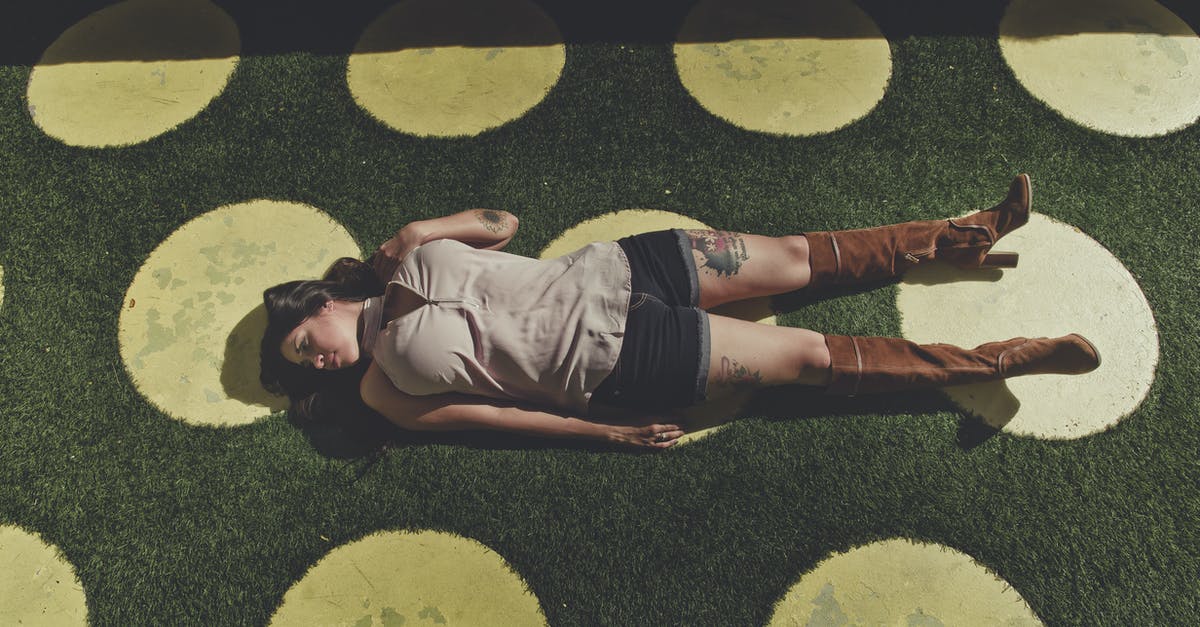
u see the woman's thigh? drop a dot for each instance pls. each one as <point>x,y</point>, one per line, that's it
<point>732,266</point>
<point>705,268</point>
<point>746,355</point>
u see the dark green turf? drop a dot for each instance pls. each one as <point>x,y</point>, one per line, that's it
<point>167,523</point>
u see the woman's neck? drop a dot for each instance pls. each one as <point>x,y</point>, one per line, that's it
<point>369,315</point>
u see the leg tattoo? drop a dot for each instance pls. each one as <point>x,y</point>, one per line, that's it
<point>736,376</point>
<point>723,251</point>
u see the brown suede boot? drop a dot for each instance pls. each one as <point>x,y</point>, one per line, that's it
<point>865,365</point>
<point>843,257</point>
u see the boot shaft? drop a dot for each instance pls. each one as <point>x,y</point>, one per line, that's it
<point>864,255</point>
<point>866,365</point>
<point>860,255</point>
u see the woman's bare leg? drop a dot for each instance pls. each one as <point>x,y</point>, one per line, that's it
<point>734,266</point>
<point>747,355</point>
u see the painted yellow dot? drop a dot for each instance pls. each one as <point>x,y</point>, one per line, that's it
<point>37,586</point>
<point>704,418</point>
<point>898,582</point>
<point>1127,67</point>
<point>457,67</point>
<point>397,578</point>
<point>1066,282</point>
<point>789,68</point>
<point>193,316</point>
<point>133,71</point>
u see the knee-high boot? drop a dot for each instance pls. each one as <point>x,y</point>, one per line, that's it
<point>864,365</point>
<point>844,257</point>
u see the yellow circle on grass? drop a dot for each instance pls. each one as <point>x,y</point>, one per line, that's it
<point>790,68</point>
<point>455,67</point>
<point>704,418</point>
<point>132,71</point>
<point>402,578</point>
<point>37,586</point>
<point>1127,67</point>
<point>899,582</point>
<point>1066,282</point>
<point>193,317</point>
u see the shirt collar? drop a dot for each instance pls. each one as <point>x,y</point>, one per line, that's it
<point>372,319</point>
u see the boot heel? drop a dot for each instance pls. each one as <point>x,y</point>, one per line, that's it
<point>999,260</point>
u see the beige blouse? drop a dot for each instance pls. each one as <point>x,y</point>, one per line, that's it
<point>545,331</point>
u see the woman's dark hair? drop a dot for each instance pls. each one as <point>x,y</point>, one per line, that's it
<point>314,394</point>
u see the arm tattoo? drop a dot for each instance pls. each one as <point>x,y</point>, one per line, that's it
<point>491,220</point>
<point>723,251</point>
<point>737,376</point>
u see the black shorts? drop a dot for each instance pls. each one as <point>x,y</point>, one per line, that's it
<point>664,356</point>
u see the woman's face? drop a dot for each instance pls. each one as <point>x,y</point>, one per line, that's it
<point>327,340</point>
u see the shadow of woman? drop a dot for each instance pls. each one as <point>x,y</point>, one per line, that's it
<point>240,365</point>
<point>794,402</point>
<point>351,430</point>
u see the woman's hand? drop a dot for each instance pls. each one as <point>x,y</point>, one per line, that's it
<point>392,252</point>
<point>657,436</point>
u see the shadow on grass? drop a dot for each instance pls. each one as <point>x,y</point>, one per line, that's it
<point>368,436</point>
<point>806,402</point>
<point>240,363</point>
<point>802,298</point>
<point>364,435</point>
<point>273,27</point>
<point>927,274</point>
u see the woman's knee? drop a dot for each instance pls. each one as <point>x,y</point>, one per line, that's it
<point>814,360</point>
<point>796,247</point>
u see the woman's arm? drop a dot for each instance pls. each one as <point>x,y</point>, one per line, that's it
<point>488,229</point>
<point>452,411</point>
<point>482,228</point>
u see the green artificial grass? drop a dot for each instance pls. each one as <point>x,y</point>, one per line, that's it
<point>167,523</point>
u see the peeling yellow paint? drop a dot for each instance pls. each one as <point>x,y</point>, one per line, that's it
<point>193,318</point>
<point>132,71</point>
<point>403,578</point>
<point>702,419</point>
<point>455,68</point>
<point>1066,282</point>
<point>899,582</point>
<point>790,68</point>
<point>1127,67</point>
<point>37,586</point>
